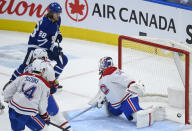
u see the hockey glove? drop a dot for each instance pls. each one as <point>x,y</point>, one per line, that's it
<point>54,85</point>
<point>45,117</point>
<point>137,88</point>
<point>57,50</point>
<point>59,38</point>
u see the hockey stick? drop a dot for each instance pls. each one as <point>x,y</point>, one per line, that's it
<point>73,117</point>
<point>63,129</point>
<point>60,57</point>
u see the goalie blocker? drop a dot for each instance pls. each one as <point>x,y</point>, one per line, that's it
<point>119,93</point>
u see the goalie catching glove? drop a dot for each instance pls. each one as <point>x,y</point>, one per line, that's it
<point>136,88</point>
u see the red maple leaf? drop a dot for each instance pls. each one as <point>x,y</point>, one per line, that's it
<point>76,7</point>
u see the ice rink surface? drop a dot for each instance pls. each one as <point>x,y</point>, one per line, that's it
<point>80,82</point>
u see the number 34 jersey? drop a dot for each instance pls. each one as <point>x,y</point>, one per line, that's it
<point>28,94</point>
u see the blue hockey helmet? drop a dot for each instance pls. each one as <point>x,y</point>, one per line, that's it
<point>104,63</point>
<point>55,8</point>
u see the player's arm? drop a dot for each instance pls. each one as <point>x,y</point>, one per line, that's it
<point>43,104</point>
<point>59,36</point>
<point>11,90</point>
<point>134,87</point>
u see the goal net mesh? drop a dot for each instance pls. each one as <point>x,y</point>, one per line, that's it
<point>156,65</point>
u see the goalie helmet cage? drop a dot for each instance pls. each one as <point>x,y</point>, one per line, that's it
<point>165,47</point>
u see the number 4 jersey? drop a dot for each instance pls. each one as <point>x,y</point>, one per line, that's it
<point>28,94</point>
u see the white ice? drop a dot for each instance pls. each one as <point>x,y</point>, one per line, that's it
<point>80,82</point>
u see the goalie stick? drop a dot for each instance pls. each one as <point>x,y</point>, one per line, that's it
<point>82,112</point>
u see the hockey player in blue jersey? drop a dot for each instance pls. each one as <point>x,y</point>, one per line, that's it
<point>45,35</point>
<point>119,92</point>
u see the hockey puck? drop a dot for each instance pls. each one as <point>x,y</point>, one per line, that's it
<point>179,115</point>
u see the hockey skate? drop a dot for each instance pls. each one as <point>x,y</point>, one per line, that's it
<point>2,107</point>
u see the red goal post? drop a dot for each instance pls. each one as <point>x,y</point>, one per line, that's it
<point>173,49</point>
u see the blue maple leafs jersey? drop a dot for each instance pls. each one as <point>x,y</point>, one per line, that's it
<point>44,34</point>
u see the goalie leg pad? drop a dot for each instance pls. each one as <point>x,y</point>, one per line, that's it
<point>148,116</point>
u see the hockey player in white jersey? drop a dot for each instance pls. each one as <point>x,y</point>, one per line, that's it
<point>28,99</point>
<point>120,92</point>
<point>53,108</point>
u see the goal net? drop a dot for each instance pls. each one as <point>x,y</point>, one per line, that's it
<point>160,65</point>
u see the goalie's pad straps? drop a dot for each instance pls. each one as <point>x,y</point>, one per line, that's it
<point>149,119</point>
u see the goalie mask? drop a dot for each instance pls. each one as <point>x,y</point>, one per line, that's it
<point>104,63</point>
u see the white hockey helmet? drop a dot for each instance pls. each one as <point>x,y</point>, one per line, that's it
<point>49,74</point>
<point>39,66</point>
<point>40,54</point>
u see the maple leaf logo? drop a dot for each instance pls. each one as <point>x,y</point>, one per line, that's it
<point>76,7</point>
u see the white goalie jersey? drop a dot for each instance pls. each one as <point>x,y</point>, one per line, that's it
<point>28,94</point>
<point>114,84</point>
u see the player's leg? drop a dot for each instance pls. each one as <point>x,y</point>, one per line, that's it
<point>35,123</point>
<point>130,106</point>
<point>61,121</point>
<point>62,61</point>
<point>52,108</point>
<point>143,118</point>
<point>27,61</point>
<point>116,111</point>
<point>55,115</point>
<point>15,120</point>
<point>18,71</point>
<point>148,116</point>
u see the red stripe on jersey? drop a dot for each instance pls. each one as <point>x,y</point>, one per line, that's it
<point>40,77</point>
<point>24,107</point>
<point>38,121</point>
<point>63,124</point>
<point>121,100</point>
<point>131,104</point>
<point>130,83</point>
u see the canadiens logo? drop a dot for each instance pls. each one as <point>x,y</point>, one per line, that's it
<point>77,10</point>
<point>104,89</point>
